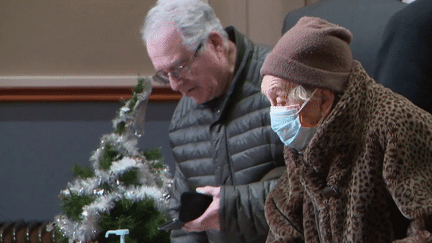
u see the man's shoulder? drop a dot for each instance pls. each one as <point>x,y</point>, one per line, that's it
<point>261,51</point>
<point>257,57</point>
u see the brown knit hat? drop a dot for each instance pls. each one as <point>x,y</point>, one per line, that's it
<point>313,52</point>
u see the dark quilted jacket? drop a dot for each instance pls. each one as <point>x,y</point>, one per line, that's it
<point>228,142</point>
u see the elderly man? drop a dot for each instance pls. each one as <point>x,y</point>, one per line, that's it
<point>220,131</point>
<point>358,156</point>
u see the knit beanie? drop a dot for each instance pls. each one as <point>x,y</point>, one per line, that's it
<point>313,52</point>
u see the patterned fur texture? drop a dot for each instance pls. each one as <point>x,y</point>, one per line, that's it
<point>374,155</point>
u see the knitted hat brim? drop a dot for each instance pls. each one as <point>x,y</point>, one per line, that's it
<point>297,72</point>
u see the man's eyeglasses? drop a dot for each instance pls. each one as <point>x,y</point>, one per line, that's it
<point>177,72</point>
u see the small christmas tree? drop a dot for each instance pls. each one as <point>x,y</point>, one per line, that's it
<point>126,188</point>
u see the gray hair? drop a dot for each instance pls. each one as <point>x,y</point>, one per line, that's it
<point>194,18</point>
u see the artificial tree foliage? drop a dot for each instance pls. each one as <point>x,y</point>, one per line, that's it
<point>126,188</point>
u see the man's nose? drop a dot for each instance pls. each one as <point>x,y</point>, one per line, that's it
<point>175,82</point>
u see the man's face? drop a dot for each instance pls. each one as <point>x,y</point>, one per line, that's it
<point>203,75</point>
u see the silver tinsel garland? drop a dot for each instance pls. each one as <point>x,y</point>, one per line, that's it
<point>155,183</point>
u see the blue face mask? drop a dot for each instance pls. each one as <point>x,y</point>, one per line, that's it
<point>286,124</point>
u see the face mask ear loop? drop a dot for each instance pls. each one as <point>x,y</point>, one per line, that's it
<point>307,101</point>
<point>304,104</point>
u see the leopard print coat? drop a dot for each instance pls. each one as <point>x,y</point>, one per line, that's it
<point>366,175</point>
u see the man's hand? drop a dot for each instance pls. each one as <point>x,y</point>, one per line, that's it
<point>210,220</point>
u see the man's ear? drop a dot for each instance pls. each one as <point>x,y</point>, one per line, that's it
<point>327,97</point>
<point>216,40</point>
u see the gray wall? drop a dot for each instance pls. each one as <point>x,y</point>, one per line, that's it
<point>40,142</point>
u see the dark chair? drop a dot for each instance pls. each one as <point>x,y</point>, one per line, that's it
<point>404,61</point>
<point>365,19</point>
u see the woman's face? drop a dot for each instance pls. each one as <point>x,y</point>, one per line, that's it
<point>277,90</point>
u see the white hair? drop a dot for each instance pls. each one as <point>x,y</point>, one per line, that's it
<point>193,18</point>
<point>300,92</point>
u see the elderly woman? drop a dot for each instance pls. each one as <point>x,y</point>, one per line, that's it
<point>358,156</point>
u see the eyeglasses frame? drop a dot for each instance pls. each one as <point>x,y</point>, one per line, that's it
<point>177,71</point>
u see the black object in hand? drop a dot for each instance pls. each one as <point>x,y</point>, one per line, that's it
<point>193,205</point>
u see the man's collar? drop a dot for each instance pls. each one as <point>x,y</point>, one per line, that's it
<point>238,38</point>
<point>235,36</point>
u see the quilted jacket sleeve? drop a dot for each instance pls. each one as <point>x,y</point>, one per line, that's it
<point>180,236</point>
<point>242,208</point>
